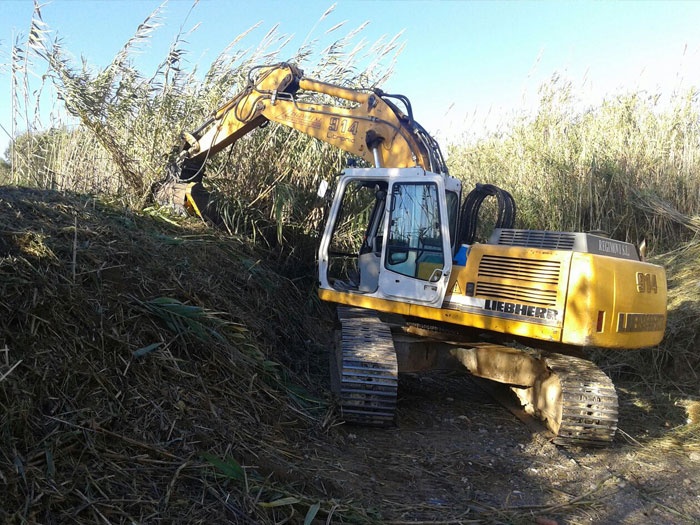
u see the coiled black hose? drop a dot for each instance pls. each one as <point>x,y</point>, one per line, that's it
<point>469,216</point>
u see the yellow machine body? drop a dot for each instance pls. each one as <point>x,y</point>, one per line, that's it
<point>567,297</point>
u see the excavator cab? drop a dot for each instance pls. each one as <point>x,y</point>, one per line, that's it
<point>389,235</point>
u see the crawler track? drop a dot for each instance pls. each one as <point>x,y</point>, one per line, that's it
<point>589,402</point>
<point>366,366</point>
<point>572,396</point>
<point>575,400</point>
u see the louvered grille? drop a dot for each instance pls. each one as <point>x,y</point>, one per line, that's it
<point>537,239</point>
<point>530,270</point>
<point>522,280</point>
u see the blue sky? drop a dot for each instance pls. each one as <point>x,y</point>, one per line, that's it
<point>465,65</point>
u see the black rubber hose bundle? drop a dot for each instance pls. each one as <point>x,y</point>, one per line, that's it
<point>469,216</point>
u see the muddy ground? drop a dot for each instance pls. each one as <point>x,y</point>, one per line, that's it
<point>457,455</point>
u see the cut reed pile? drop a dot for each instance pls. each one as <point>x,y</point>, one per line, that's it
<point>141,364</point>
<point>681,345</point>
<point>153,371</point>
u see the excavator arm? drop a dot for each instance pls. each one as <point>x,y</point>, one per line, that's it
<point>366,123</point>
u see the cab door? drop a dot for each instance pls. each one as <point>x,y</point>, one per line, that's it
<point>416,257</point>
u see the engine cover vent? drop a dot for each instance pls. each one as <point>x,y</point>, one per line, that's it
<point>521,280</point>
<point>535,239</point>
<point>571,241</point>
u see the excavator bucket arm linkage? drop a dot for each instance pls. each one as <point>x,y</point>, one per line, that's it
<point>363,122</point>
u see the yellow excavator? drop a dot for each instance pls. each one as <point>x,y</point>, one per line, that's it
<point>415,288</point>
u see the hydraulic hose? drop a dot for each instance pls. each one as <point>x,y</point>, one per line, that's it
<point>469,216</point>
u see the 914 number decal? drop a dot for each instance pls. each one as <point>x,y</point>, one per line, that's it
<point>646,283</point>
<point>343,125</point>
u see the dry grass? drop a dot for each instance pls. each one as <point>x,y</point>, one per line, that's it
<point>627,167</point>
<point>123,394</point>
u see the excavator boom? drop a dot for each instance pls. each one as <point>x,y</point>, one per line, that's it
<point>363,122</point>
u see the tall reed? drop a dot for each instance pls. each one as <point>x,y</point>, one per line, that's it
<point>627,167</point>
<point>123,124</point>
